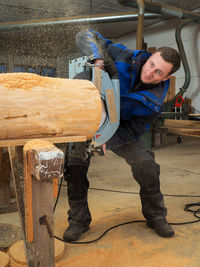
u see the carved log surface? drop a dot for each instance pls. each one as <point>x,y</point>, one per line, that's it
<point>33,106</point>
<point>4,259</point>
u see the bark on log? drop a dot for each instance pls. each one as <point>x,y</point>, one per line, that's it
<point>32,106</point>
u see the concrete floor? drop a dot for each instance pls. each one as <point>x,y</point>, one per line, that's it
<point>135,244</point>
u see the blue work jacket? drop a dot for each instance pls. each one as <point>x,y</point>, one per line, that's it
<point>139,106</point>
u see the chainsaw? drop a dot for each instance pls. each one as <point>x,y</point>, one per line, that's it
<point>82,68</point>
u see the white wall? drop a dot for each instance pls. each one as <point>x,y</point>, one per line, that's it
<point>163,34</point>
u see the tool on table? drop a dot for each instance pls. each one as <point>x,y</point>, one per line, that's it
<point>178,104</point>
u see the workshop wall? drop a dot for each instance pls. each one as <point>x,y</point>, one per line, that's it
<point>163,34</point>
<point>46,66</point>
<point>45,51</point>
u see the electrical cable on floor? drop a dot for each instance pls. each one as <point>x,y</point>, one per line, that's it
<point>187,208</point>
<point>97,239</point>
<point>60,185</point>
<point>136,193</point>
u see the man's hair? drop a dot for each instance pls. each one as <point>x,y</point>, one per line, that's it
<point>172,56</point>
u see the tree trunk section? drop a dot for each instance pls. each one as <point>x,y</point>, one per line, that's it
<point>32,106</point>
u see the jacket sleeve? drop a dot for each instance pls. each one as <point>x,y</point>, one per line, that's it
<point>94,45</point>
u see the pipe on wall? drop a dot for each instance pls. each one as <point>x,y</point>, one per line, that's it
<point>181,49</point>
<point>116,17</point>
<point>162,9</point>
<point>140,24</point>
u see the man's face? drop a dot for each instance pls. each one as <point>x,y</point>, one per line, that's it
<point>155,70</point>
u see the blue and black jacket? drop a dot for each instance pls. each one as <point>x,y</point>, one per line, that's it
<point>139,103</point>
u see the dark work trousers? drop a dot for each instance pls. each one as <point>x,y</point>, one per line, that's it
<point>145,171</point>
<point>76,166</point>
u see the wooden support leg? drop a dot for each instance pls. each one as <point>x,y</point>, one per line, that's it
<point>20,203</point>
<point>4,178</point>
<point>43,163</point>
<point>5,192</point>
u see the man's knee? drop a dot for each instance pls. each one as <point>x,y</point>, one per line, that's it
<point>78,184</point>
<point>75,169</point>
<point>146,173</point>
<point>77,161</point>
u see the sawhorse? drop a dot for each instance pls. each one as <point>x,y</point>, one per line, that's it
<point>43,166</point>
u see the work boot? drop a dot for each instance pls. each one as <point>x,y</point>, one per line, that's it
<point>73,232</point>
<point>79,219</point>
<point>161,227</point>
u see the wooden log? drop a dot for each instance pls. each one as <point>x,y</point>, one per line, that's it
<point>32,106</point>
<point>18,256</point>
<point>4,259</point>
<point>183,127</point>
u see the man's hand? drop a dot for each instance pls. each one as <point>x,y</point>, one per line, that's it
<point>99,63</point>
<point>104,149</point>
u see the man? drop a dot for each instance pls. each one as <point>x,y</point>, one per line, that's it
<point>144,81</point>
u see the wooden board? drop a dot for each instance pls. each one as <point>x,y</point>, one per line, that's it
<point>55,140</point>
<point>32,106</point>
<point>4,178</point>
<point>152,49</point>
<point>183,127</point>
<point>171,91</point>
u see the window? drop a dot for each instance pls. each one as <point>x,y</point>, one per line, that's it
<point>50,72</point>
<point>19,69</point>
<point>34,70</point>
<point>3,68</point>
<point>44,71</point>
